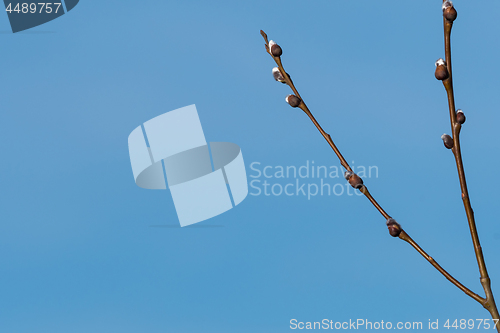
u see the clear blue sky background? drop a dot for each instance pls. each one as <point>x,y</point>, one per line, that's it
<point>80,246</point>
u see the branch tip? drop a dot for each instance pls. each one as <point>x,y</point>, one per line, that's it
<point>449,11</point>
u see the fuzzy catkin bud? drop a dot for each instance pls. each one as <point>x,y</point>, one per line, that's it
<point>447,140</point>
<point>449,11</point>
<point>441,72</point>
<point>348,174</point>
<point>277,75</point>
<point>293,100</point>
<point>353,179</point>
<point>275,49</point>
<point>460,117</point>
<point>394,227</point>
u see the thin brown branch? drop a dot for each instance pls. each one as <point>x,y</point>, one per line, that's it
<point>327,136</point>
<point>489,302</point>
<point>402,234</point>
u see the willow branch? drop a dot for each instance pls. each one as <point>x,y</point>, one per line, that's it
<point>394,228</point>
<point>449,15</point>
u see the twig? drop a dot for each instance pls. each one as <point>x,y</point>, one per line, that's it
<point>456,121</point>
<point>394,228</point>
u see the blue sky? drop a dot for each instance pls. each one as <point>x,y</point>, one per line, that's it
<point>82,249</point>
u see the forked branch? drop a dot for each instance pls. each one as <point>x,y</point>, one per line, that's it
<point>443,72</point>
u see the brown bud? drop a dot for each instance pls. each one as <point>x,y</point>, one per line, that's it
<point>441,70</point>
<point>460,117</point>
<point>447,140</point>
<point>293,100</point>
<point>394,227</point>
<point>354,179</point>
<point>277,75</point>
<point>449,12</point>
<point>275,49</point>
